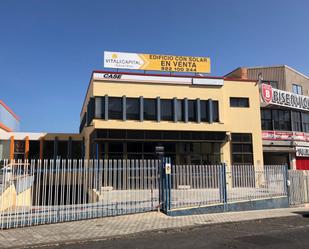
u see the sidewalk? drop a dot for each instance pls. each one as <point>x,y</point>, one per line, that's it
<point>104,228</point>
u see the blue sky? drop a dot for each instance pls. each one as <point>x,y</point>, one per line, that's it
<point>49,48</point>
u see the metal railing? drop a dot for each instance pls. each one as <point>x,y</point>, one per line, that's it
<point>198,185</point>
<point>195,185</point>
<point>244,182</point>
<point>39,192</point>
<point>298,187</point>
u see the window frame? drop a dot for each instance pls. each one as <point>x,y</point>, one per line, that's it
<point>239,102</point>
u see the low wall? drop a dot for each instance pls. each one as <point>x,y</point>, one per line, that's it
<point>269,203</point>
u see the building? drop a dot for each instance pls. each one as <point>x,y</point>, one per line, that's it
<point>284,113</point>
<point>198,120</point>
<point>9,121</point>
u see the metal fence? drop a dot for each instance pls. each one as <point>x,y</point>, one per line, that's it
<point>39,192</point>
<point>298,187</point>
<point>198,185</point>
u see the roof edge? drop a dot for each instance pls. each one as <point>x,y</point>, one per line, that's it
<point>9,110</point>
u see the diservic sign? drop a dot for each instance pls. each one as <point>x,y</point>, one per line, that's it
<point>170,63</point>
<point>283,98</point>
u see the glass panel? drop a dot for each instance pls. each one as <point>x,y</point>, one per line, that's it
<point>204,110</point>
<point>239,102</point>
<point>150,109</point>
<point>115,147</point>
<point>133,108</point>
<point>215,108</point>
<point>192,110</point>
<point>114,108</point>
<point>166,109</point>
<point>180,110</point>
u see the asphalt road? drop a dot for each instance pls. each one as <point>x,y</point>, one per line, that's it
<point>287,232</point>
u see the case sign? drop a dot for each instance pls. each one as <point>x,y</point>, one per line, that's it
<point>169,63</point>
<point>283,98</point>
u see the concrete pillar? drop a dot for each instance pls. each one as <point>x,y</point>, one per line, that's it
<point>12,148</point>
<point>141,108</point>
<point>106,107</point>
<point>210,111</point>
<point>175,110</point>
<point>124,108</point>
<point>186,110</point>
<point>198,110</point>
<point>158,109</point>
<point>27,147</point>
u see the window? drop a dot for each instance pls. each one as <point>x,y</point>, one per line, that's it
<point>82,123</point>
<point>192,110</point>
<point>239,102</point>
<point>99,107</point>
<point>266,119</point>
<point>150,109</point>
<point>273,84</point>
<point>242,152</point>
<point>204,110</point>
<point>90,111</point>
<point>114,108</point>
<point>180,111</point>
<point>133,108</point>
<point>215,110</point>
<point>297,89</point>
<point>305,119</point>
<point>166,109</point>
<point>281,119</point>
<point>296,119</point>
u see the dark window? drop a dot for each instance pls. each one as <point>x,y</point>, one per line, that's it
<point>90,111</point>
<point>266,119</point>
<point>305,118</point>
<point>192,110</point>
<point>273,84</point>
<point>204,110</point>
<point>133,108</point>
<point>242,152</point>
<point>99,104</point>
<point>239,102</point>
<point>166,109</point>
<point>297,122</point>
<point>150,109</point>
<point>297,89</point>
<point>180,110</point>
<point>83,122</point>
<point>114,108</point>
<point>281,119</point>
<point>215,109</point>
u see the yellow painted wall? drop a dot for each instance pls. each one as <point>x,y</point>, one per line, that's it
<point>9,199</point>
<point>243,120</point>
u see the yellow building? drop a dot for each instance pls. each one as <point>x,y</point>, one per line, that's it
<point>198,120</point>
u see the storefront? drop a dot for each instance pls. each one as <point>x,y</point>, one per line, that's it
<point>285,125</point>
<point>198,120</point>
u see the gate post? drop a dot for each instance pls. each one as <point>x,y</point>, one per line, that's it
<point>222,184</point>
<point>165,184</point>
<point>287,182</point>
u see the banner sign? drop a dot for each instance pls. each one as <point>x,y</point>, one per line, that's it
<point>283,98</point>
<point>169,63</point>
<point>285,136</point>
<point>302,151</point>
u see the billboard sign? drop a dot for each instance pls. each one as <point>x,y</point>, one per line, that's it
<point>283,98</point>
<point>168,63</point>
